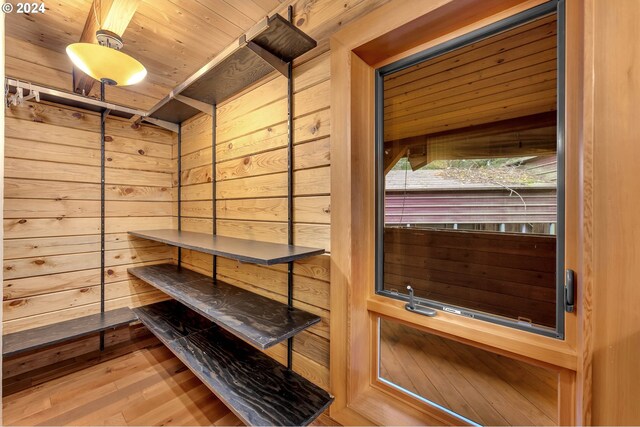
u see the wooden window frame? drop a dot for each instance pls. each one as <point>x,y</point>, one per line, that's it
<point>394,31</point>
<point>451,46</point>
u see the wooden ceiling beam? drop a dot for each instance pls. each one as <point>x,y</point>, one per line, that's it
<point>392,154</point>
<point>418,156</point>
<point>111,15</point>
<point>493,147</point>
<point>527,136</point>
<point>535,121</point>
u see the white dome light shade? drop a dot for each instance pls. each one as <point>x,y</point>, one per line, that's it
<point>106,64</point>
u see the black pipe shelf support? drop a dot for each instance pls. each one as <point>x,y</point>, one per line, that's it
<point>103,123</point>
<point>179,189</point>
<point>290,166</point>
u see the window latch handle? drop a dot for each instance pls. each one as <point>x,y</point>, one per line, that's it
<point>416,308</point>
<point>569,291</point>
<point>411,304</point>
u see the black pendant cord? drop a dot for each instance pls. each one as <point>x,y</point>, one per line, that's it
<point>290,191</point>
<point>179,189</point>
<point>103,119</point>
<point>214,266</point>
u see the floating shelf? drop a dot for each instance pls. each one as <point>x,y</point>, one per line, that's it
<point>259,390</point>
<point>243,250</point>
<point>36,338</point>
<point>258,320</point>
<point>268,46</point>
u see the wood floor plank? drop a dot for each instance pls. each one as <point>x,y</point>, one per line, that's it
<point>21,408</point>
<point>68,400</point>
<point>161,391</point>
<point>165,413</point>
<point>205,411</point>
<point>114,420</point>
<point>74,406</point>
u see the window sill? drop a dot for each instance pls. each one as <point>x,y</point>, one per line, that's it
<point>523,345</point>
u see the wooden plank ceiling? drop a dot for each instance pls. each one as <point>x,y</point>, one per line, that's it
<point>492,98</point>
<point>171,38</point>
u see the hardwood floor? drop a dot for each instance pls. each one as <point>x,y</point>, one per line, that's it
<point>146,387</point>
<point>150,386</point>
<point>487,388</point>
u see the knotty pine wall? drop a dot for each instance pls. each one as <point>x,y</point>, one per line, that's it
<point>52,212</point>
<point>251,179</point>
<point>251,176</point>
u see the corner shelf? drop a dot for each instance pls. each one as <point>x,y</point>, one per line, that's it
<point>44,336</point>
<point>268,46</point>
<point>250,251</point>
<point>258,320</point>
<point>259,390</point>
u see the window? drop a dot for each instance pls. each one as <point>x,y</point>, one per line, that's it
<point>470,164</point>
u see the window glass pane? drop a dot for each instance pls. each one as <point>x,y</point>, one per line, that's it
<point>471,176</point>
<point>480,386</point>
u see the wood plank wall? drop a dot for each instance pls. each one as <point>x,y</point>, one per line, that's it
<point>251,178</point>
<point>251,141</point>
<point>504,274</point>
<point>52,212</point>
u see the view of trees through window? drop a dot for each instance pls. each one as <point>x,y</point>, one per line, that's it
<point>471,164</point>
<point>515,195</point>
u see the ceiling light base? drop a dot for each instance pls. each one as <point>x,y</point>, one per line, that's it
<point>109,39</point>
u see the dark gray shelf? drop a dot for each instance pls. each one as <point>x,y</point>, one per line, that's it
<point>259,390</point>
<point>234,73</point>
<point>174,111</point>
<point>260,321</point>
<point>36,338</point>
<point>268,46</point>
<point>243,250</point>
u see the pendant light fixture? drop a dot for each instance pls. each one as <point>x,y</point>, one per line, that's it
<point>104,61</point>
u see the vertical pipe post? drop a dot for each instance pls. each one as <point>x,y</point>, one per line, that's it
<point>103,119</point>
<point>179,189</point>
<point>214,267</point>
<point>290,166</point>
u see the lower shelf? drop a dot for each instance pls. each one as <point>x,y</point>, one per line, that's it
<point>36,338</point>
<point>259,390</point>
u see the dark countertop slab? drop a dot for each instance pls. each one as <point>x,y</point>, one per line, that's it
<point>32,339</point>
<point>258,320</point>
<point>250,251</point>
<point>259,390</point>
